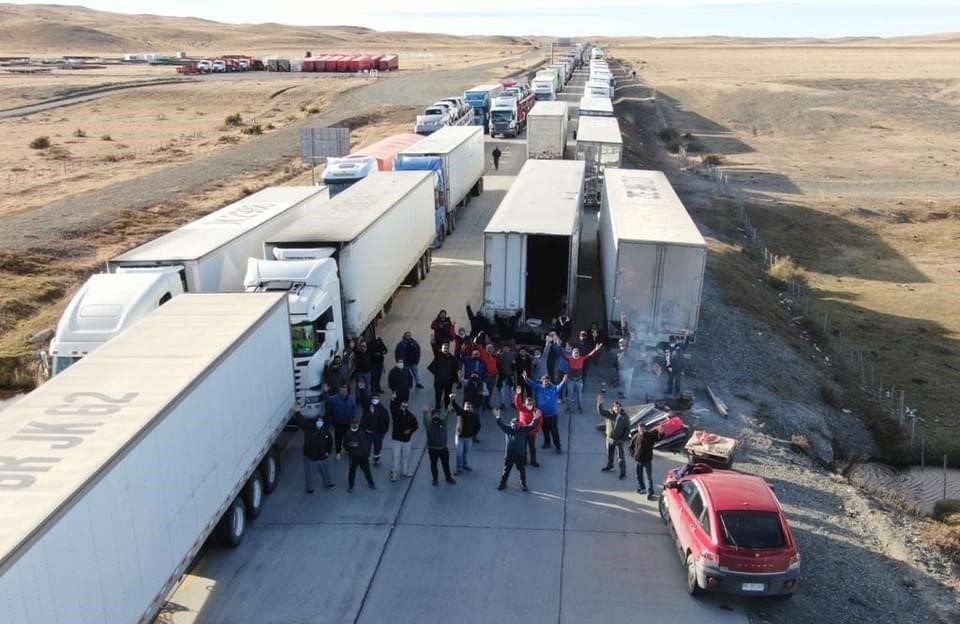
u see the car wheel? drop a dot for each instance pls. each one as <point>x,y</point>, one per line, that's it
<point>232,525</point>
<point>253,495</point>
<point>270,471</point>
<point>693,587</point>
<point>662,508</point>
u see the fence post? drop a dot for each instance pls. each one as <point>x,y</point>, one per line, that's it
<point>913,430</point>
<point>900,406</point>
<point>944,475</point>
<point>923,440</point>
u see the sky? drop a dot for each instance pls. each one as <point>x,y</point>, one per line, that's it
<point>576,18</point>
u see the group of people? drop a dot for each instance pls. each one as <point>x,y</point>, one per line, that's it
<point>492,378</point>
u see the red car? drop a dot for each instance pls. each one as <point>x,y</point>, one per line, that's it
<point>730,531</point>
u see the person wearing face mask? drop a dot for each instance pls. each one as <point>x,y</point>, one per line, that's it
<point>408,350</point>
<point>404,425</point>
<point>317,446</point>
<point>515,453</point>
<point>400,381</point>
<point>357,445</point>
<point>375,424</point>
<point>446,371</point>
<point>473,365</point>
<point>341,409</point>
<point>435,425</point>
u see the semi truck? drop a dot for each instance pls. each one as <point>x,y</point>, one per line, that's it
<point>116,472</point>
<point>600,146</point>
<point>342,173</point>
<point>480,98</point>
<point>531,244</point>
<point>547,130</point>
<point>598,89</point>
<point>456,156</point>
<point>554,74</point>
<point>652,257</point>
<point>207,255</point>
<point>341,265</point>
<point>544,89</point>
<point>508,115</point>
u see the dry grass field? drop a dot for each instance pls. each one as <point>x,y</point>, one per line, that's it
<point>846,156</point>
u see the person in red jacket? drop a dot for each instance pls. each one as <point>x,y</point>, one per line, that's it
<point>491,364</point>
<point>577,362</point>
<point>529,414</point>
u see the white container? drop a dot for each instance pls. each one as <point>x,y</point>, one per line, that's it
<point>651,255</point>
<point>547,130</point>
<point>462,151</point>
<point>531,244</point>
<point>599,142</point>
<point>595,107</point>
<point>377,231</point>
<point>137,450</point>
<point>212,251</point>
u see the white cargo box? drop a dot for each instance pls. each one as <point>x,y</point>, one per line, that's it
<point>595,107</point>
<point>532,243</point>
<point>114,472</point>
<point>462,150</point>
<point>547,130</point>
<point>652,256</point>
<point>599,141</point>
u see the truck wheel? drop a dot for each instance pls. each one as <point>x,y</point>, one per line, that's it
<point>270,471</point>
<point>253,495</point>
<point>429,260</point>
<point>232,525</point>
<point>477,188</point>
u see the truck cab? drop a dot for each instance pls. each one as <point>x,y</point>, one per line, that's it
<point>543,88</point>
<point>316,317</point>
<point>503,117</point>
<point>342,173</point>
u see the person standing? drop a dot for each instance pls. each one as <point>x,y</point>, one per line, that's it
<point>375,424</point>
<point>378,355</point>
<point>641,449</point>
<point>617,431</point>
<point>341,409</point>
<point>468,424</point>
<point>408,350</point>
<point>435,425</point>
<point>496,158</point>
<point>446,372</point>
<point>478,322</point>
<point>515,450</point>
<point>363,364</point>
<point>548,400</point>
<point>528,414</point>
<point>404,426</point>
<point>317,446</point>
<point>442,331</point>
<point>335,374</point>
<point>491,366</point>
<point>400,381</point>
<point>357,445</point>
<point>522,365</point>
<point>508,378</point>
<point>577,364</point>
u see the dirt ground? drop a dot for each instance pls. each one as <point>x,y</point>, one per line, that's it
<point>846,160</point>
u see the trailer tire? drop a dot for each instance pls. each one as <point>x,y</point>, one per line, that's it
<point>428,260</point>
<point>232,525</point>
<point>253,494</point>
<point>477,188</point>
<point>270,471</point>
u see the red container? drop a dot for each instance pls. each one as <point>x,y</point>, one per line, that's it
<point>354,63</point>
<point>389,62</point>
<point>320,64</point>
<point>343,63</point>
<point>375,61</point>
<point>309,65</point>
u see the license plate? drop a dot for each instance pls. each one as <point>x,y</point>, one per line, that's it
<point>752,587</point>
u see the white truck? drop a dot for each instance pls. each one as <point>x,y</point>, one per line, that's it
<point>595,107</point>
<point>456,155</point>
<point>532,243</point>
<point>115,473</point>
<point>342,263</point>
<point>544,87</point>
<point>652,257</point>
<point>598,88</point>
<point>547,130</point>
<point>341,173</point>
<point>600,146</point>
<point>207,255</point>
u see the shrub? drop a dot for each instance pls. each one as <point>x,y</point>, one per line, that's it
<point>784,270</point>
<point>947,507</point>
<point>313,110</point>
<point>228,138</point>
<point>946,537</point>
<point>57,152</point>
<point>712,160</point>
<point>670,138</point>
<point>112,158</point>
<point>254,129</point>
<point>79,133</point>
<point>233,120</point>
<point>41,142</point>
<point>106,137</point>
<point>800,443</point>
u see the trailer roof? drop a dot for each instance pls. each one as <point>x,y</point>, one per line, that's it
<point>592,129</point>
<point>546,198</point>
<point>597,104</point>
<point>208,234</point>
<point>349,214</point>
<point>485,87</point>
<point>551,108</point>
<point>105,402</point>
<point>444,140</point>
<point>645,208</point>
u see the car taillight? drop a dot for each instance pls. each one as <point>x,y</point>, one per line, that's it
<point>794,561</point>
<point>709,556</point>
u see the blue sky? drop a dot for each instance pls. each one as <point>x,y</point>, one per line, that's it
<point>750,18</point>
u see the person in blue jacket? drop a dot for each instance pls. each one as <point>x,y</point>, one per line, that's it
<point>341,409</point>
<point>408,351</point>
<point>547,395</point>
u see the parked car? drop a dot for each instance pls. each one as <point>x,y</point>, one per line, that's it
<point>730,532</point>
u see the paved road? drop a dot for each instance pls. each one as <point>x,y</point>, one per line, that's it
<point>87,211</point>
<point>581,546</point>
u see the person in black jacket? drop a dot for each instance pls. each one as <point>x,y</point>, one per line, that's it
<point>478,322</point>
<point>363,363</point>
<point>357,445</point>
<point>515,452</point>
<point>408,350</point>
<point>641,449</point>
<point>375,424</point>
<point>468,425</point>
<point>378,351</point>
<point>446,371</point>
<point>317,446</point>
<point>404,425</point>
<point>400,381</point>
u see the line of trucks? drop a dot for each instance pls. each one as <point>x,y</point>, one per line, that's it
<point>322,63</point>
<point>500,108</point>
<point>550,81</point>
<point>108,488</point>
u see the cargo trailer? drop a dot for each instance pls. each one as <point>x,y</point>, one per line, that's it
<point>389,62</point>
<point>547,130</point>
<point>595,107</point>
<point>652,256</point>
<point>116,472</point>
<point>532,243</point>
<point>600,146</point>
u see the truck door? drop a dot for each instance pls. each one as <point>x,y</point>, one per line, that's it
<point>504,271</point>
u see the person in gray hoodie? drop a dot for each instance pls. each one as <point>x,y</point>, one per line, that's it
<point>515,451</point>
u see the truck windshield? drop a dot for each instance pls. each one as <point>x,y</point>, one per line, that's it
<point>339,186</point>
<point>304,339</point>
<point>501,116</point>
<point>62,363</point>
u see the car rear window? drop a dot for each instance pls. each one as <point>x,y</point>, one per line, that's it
<point>751,529</point>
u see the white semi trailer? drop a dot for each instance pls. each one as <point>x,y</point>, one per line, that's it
<point>207,255</point>
<point>532,243</point>
<point>547,130</point>
<point>342,264</point>
<point>114,473</point>
<point>652,256</point>
<point>600,146</point>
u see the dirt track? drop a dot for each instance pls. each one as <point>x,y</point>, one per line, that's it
<point>79,213</point>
